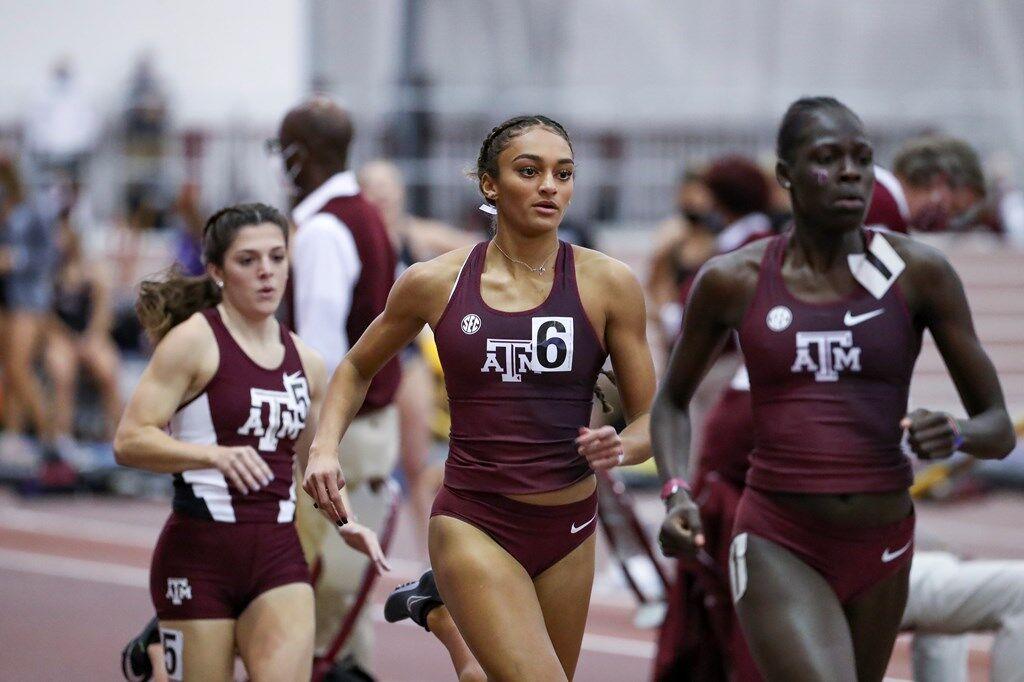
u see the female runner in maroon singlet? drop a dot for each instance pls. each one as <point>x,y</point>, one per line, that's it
<point>221,405</point>
<point>523,324</point>
<point>830,318</point>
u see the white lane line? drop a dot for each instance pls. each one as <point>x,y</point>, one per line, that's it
<point>76,569</point>
<point>49,523</point>
<point>141,537</point>
<point>131,576</point>
<point>619,646</point>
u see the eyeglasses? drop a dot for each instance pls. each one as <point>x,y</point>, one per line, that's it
<point>273,146</point>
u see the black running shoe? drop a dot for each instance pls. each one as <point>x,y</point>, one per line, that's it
<point>413,600</point>
<point>135,663</point>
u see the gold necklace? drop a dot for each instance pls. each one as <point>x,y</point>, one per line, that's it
<point>539,270</point>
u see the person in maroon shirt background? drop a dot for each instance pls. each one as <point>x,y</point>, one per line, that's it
<point>814,599</point>
<point>520,320</point>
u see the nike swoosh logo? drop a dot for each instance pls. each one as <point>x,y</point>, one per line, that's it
<point>414,600</point>
<point>850,319</point>
<point>577,529</point>
<point>888,556</point>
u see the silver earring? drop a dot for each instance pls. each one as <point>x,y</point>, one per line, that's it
<point>220,284</point>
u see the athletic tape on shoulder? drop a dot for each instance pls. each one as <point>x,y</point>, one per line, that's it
<point>738,566</point>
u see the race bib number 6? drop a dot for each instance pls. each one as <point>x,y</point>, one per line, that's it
<point>552,343</point>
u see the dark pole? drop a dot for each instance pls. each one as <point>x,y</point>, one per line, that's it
<point>412,122</point>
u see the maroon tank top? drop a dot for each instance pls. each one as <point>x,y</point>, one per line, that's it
<point>519,384</point>
<point>244,404</point>
<point>829,385</point>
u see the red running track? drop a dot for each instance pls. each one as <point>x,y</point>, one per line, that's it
<point>73,585</point>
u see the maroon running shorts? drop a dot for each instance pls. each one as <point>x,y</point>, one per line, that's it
<point>851,559</point>
<point>211,569</point>
<point>537,536</point>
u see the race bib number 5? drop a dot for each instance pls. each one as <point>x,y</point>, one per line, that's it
<point>174,649</point>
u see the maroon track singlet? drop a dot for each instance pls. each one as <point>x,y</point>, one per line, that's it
<point>519,384</point>
<point>829,384</point>
<point>244,404</point>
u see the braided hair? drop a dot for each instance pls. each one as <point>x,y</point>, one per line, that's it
<point>498,140</point>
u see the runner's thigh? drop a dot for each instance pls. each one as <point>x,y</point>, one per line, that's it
<point>564,594</point>
<point>199,649</point>
<point>874,619</point>
<point>275,634</point>
<point>792,619</point>
<point>493,602</point>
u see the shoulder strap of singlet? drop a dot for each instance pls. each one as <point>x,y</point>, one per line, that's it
<point>770,276</point>
<point>466,282</point>
<point>565,268</point>
<point>220,330</point>
<point>291,351</point>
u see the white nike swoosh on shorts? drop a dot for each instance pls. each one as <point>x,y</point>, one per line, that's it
<point>577,529</point>
<point>850,319</point>
<point>888,556</point>
<point>413,600</point>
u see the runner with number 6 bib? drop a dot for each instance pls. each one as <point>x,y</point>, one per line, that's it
<point>524,323</point>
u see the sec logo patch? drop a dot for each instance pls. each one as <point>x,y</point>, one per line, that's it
<point>471,324</point>
<point>779,318</point>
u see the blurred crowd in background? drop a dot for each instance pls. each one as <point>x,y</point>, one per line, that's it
<point>92,201</point>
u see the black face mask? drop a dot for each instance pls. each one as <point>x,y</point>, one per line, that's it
<point>710,220</point>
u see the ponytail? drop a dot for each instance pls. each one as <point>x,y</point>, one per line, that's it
<point>164,303</point>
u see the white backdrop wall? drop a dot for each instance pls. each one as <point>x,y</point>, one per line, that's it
<point>952,64</point>
<point>219,61</point>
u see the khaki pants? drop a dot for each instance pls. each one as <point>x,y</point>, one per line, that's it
<point>368,451</point>
<point>952,597</point>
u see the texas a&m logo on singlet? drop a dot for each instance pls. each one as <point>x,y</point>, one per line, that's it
<point>548,350</point>
<point>825,354</point>
<point>178,590</point>
<point>286,414</point>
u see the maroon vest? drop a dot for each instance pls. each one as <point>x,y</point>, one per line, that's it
<point>829,384</point>
<point>519,384</point>
<point>244,404</point>
<point>376,277</point>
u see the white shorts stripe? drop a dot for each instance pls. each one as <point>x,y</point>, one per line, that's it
<point>738,566</point>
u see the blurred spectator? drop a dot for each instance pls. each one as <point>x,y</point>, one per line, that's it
<point>62,129</point>
<point>971,209</point>
<point>79,335</point>
<point>145,136</point>
<point>740,196</point>
<point>187,221</point>
<point>28,229</point>
<point>684,242</point>
<point>414,238</point>
<point>145,116</point>
<point>940,185</point>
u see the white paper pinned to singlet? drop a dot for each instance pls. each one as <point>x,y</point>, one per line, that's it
<point>875,279</point>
